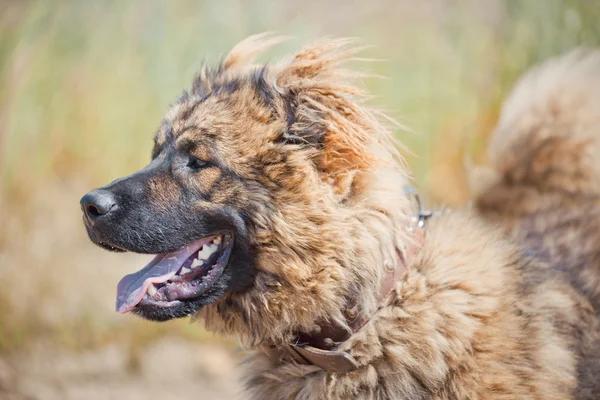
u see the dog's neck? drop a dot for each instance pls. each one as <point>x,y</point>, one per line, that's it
<point>318,347</point>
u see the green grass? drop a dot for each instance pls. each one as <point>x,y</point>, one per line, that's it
<point>83,86</point>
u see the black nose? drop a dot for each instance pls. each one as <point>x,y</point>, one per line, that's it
<point>97,203</point>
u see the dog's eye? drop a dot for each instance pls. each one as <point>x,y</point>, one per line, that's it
<point>195,163</point>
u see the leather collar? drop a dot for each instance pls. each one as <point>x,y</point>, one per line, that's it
<point>319,348</point>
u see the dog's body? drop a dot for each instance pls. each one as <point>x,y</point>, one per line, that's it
<point>303,189</point>
<point>475,321</point>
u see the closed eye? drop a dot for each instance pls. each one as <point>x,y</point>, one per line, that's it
<point>195,163</point>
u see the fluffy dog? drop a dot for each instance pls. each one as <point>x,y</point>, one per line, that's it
<point>276,204</point>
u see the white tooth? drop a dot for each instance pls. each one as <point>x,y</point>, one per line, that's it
<point>184,271</point>
<point>196,263</point>
<point>217,240</point>
<point>206,251</point>
<point>151,289</point>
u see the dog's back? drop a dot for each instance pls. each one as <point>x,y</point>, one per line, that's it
<point>544,183</point>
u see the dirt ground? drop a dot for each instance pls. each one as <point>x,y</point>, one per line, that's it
<point>169,368</point>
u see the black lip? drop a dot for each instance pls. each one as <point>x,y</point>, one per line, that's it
<point>109,247</point>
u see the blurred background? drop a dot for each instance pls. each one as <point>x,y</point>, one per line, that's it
<point>83,86</point>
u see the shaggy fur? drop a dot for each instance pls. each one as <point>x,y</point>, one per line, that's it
<point>315,176</point>
<point>476,318</point>
<point>544,183</point>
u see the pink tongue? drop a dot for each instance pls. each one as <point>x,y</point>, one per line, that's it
<point>132,287</point>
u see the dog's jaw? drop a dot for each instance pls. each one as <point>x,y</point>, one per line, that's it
<point>172,279</point>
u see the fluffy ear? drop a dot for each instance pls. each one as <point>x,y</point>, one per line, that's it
<point>325,108</point>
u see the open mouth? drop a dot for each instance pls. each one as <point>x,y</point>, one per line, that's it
<point>172,278</point>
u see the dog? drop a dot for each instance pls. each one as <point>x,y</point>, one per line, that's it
<point>277,208</point>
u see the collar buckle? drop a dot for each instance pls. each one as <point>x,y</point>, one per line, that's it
<point>422,215</point>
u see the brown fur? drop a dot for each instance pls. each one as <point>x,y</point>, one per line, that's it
<point>320,179</point>
<point>544,184</point>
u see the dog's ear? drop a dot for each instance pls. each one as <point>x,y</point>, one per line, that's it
<point>324,108</point>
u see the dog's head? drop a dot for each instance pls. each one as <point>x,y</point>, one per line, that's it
<point>251,201</point>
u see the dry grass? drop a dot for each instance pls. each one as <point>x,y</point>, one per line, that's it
<point>83,86</point>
